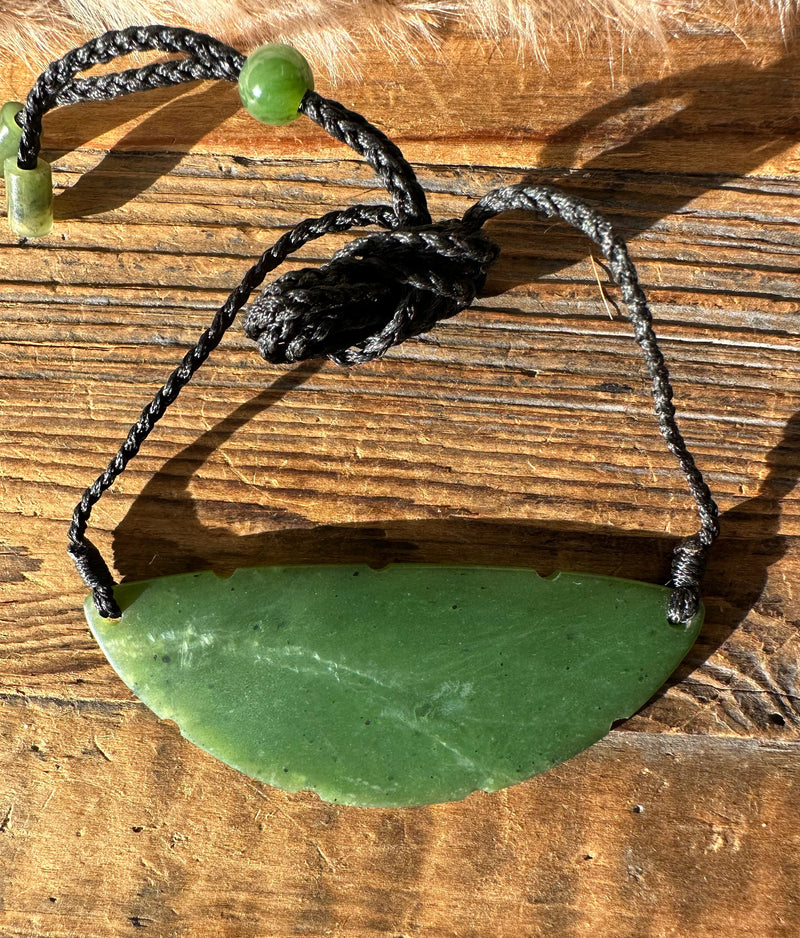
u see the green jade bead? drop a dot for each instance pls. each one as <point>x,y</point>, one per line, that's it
<point>29,197</point>
<point>10,131</point>
<point>272,83</point>
<point>408,685</point>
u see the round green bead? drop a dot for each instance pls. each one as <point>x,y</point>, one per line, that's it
<point>272,83</point>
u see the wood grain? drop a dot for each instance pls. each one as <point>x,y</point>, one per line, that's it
<point>118,825</point>
<point>519,432</point>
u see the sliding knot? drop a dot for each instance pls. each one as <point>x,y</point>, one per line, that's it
<point>372,294</point>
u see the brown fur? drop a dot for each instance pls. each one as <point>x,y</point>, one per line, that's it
<point>330,30</point>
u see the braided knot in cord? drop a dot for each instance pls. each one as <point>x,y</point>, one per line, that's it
<point>372,294</point>
<point>96,575</point>
<point>688,567</point>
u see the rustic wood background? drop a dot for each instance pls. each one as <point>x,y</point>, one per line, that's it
<point>518,433</point>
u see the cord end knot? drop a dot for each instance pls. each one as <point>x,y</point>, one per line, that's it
<point>688,567</point>
<point>683,606</point>
<point>96,575</point>
<point>374,293</point>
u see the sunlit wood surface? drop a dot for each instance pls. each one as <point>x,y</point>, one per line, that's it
<point>518,433</point>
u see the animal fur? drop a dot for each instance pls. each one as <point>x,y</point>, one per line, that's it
<point>330,30</point>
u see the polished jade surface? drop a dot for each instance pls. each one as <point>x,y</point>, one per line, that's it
<point>272,83</point>
<point>29,198</point>
<point>10,131</point>
<point>408,685</point>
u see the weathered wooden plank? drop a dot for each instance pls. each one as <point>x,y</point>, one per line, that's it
<point>519,432</point>
<point>112,824</point>
<point>621,111</point>
<point>512,411</point>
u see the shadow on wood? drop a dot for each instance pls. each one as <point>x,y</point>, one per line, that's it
<point>110,184</point>
<point>163,523</point>
<point>731,94</point>
<point>726,88</point>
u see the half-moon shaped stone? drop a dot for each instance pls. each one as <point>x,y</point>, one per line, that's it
<point>409,685</point>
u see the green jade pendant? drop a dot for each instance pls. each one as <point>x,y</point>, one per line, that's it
<point>408,685</point>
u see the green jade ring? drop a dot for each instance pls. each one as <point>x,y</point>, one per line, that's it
<point>408,685</point>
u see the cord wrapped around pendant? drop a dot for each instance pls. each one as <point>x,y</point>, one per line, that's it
<point>380,290</point>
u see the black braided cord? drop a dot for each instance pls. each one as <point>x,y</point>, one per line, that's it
<point>376,292</point>
<point>206,58</point>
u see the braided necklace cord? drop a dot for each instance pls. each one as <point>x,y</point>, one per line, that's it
<point>372,294</point>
